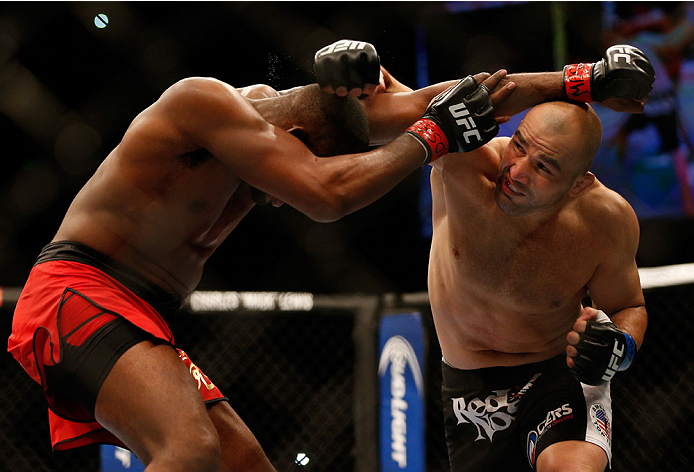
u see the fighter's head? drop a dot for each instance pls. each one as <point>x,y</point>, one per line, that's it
<point>329,125</point>
<point>548,158</point>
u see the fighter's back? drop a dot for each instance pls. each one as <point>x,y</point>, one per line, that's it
<point>159,203</point>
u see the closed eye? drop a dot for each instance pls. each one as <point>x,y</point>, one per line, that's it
<point>544,168</point>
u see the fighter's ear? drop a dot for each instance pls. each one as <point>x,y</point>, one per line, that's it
<point>581,183</point>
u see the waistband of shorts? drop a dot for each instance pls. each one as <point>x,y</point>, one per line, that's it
<point>457,377</point>
<point>161,300</point>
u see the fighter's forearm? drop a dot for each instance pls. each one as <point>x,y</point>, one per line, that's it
<point>632,320</point>
<point>531,89</point>
<point>389,114</point>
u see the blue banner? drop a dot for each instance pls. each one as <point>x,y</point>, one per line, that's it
<point>117,459</point>
<point>400,368</point>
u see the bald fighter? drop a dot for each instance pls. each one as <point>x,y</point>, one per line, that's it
<point>92,323</point>
<point>522,231</point>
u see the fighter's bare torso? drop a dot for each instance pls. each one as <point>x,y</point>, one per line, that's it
<point>160,206</point>
<point>502,292</point>
<point>179,209</point>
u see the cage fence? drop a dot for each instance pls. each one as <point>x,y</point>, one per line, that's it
<point>304,380</point>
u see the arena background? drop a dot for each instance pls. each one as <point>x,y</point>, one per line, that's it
<point>68,91</point>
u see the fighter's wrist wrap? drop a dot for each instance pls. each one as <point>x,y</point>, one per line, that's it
<point>577,82</point>
<point>602,351</point>
<point>460,119</point>
<point>624,72</point>
<point>432,138</point>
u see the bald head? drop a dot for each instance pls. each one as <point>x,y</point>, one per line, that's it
<point>578,123</point>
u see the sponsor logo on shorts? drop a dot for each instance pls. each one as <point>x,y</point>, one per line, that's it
<point>555,417</point>
<point>195,371</point>
<point>494,413</point>
<point>600,420</point>
<point>531,447</point>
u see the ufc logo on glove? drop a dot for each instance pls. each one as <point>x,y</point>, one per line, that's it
<point>460,111</point>
<point>621,53</point>
<point>342,45</point>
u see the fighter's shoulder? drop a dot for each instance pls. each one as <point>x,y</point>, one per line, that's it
<point>205,94</point>
<point>498,145</point>
<point>258,91</point>
<point>197,86</point>
<point>609,212</point>
<point>190,110</point>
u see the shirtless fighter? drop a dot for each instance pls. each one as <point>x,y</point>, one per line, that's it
<point>91,325</point>
<point>522,231</point>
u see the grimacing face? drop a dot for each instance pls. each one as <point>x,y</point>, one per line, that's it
<point>536,170</point>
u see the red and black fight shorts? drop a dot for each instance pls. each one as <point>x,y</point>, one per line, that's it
<point>79,311</point>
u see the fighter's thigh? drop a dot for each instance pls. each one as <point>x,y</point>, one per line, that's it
<point>149,402</point>
<point>572,456</point>
<point>240,448</point>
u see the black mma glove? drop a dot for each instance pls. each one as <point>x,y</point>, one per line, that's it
<point>347,63</point>
<point>624,72</point>
<point>460,119</point>
<point>603,349</point>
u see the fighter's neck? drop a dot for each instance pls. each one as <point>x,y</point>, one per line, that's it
<point>268,109</point>
<point>531,223</point>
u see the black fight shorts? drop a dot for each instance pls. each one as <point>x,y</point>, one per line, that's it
<point>502,418</point>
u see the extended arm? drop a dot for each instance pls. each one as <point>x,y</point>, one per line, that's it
<point>620,81</point>
<point>390,113</point>
<point>212,115</point>
<point>201,113</point>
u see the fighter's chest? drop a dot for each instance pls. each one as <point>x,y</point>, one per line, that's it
<point>531,273</point>
<point>200,191</point>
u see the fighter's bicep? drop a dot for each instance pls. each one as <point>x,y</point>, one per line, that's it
<point>615,288</point>
<point>615,283</point>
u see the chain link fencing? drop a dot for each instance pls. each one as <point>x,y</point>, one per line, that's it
<point>305,382</point>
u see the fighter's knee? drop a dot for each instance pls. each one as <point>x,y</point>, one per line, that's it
<point>553,463</point>
<point>196,451</point>
<point>209,451</point>
<point>556,460</point>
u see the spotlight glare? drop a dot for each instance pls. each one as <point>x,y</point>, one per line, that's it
<point>101,20</point>
<point>301,459</point>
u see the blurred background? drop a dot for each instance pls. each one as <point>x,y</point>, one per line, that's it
<point>74,74</point>
<point>69,88</point>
